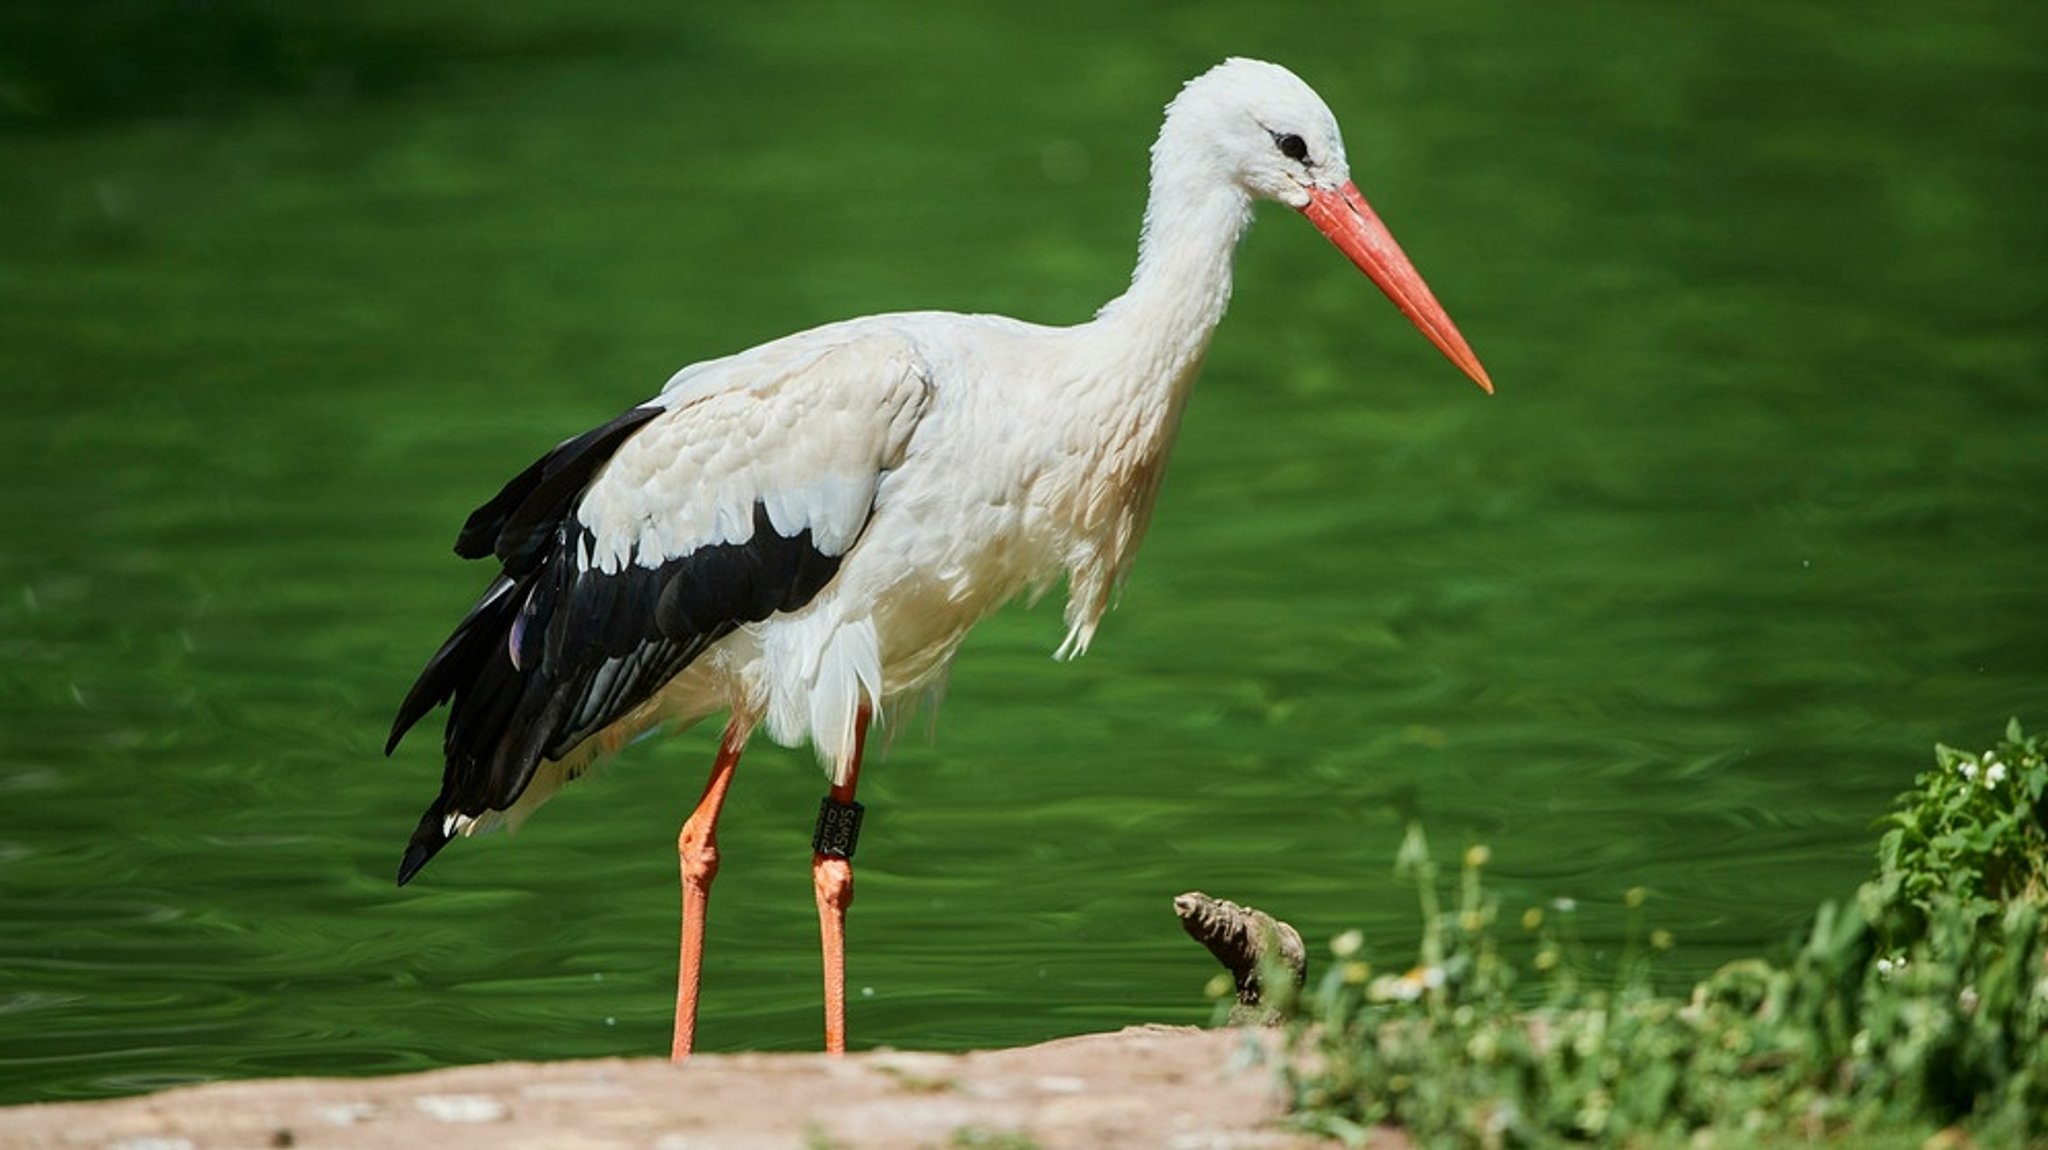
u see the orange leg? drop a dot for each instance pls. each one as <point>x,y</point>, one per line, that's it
<point>698,846</point>
<point>832,879</point>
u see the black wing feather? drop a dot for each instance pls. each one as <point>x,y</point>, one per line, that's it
<point>555,651</point>
<point>520,519</point>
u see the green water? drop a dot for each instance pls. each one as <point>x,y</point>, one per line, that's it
<point>1760,512</point>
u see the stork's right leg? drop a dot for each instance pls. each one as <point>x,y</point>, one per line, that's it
<point>832,879</point>
<point>698,846</point>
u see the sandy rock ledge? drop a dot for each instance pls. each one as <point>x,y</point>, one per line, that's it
<point>1177,1088</point>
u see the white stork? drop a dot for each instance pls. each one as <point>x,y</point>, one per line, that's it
<point>800,535</point>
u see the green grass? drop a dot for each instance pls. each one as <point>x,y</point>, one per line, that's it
<point>1915,1010</point>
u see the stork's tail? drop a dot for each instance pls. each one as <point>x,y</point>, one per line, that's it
<point>427,840</point>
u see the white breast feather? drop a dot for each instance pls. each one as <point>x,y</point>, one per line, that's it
<point>825,668</point>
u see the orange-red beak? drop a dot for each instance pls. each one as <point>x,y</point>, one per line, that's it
<point>1351,224</point>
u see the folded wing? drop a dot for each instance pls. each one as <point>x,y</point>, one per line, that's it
<point>629,550</point>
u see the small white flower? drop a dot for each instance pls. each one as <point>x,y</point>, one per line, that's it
<point>1563,905</point>
<point>1389,988</point>
<point>1994,773</point>
<point>1405,987</point>
<point>1968,767</point>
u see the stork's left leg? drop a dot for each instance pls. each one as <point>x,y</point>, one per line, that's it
<point>698,848</point>
<point>832,878</point>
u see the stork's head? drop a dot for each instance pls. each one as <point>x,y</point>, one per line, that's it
<point>1260,127</point>
<point>1263,128</point>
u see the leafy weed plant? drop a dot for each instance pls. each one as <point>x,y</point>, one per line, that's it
<point>1919,1006</point>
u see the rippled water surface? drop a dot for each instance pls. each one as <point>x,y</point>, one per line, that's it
<point>1757,516</point>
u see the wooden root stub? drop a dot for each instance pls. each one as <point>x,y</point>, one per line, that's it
<point>1250,944</point>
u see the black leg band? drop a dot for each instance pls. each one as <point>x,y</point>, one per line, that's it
<point>838,828</point>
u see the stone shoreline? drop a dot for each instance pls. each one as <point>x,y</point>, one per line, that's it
<point>1177,1088</point>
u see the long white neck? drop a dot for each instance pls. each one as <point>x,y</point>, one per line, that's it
<point>1178,293</point>
<point>1143,351</point>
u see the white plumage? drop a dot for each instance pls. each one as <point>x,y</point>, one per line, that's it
<point>802,534</point>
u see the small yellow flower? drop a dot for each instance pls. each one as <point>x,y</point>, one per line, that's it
<point>1661,940</point>
<point>1476,856</point>
<point>1635,896</point>
<point>1532,918</point>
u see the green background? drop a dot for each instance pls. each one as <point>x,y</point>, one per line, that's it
<point>285,290</point>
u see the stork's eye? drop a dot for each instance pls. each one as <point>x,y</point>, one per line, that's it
<point>1291,146</point>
